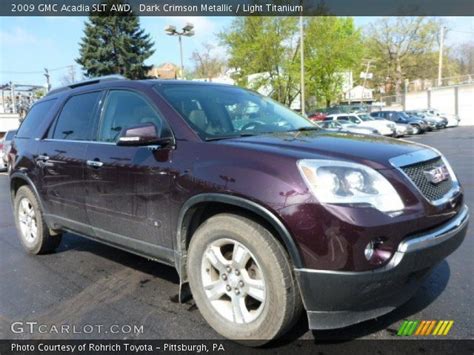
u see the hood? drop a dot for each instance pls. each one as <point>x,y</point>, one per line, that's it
<point>374,151</point>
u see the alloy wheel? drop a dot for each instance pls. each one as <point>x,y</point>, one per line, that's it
<point>27,219</point>
<point>233,281</point>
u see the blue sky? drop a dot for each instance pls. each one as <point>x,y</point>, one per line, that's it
<point>29,44</point>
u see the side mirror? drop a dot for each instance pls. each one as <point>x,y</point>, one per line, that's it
<point>140,135</point>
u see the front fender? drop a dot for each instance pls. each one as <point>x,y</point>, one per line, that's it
<point>187,211</point>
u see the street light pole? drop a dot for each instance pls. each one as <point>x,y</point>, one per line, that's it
<point>181,55</point>
<point>187,31</point>
<point>302,93</point>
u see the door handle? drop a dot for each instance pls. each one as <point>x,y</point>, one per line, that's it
<point>94,163</point>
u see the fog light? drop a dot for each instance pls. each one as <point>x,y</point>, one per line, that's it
<point>376,252</point>
<point>369,250</point>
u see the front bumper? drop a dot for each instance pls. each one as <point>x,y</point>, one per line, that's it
<point>336,299</point>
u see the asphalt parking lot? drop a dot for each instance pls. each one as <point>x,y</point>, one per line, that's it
<point>86,283</point>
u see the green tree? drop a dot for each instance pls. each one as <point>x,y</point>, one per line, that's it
<point>270,45</point>
<point>332,46</point>
<point>115,44</point>
<point>266,45</point>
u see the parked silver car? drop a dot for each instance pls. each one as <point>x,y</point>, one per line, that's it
<point>7,143</point>
<point>347,126</point>
<point>3,165</point>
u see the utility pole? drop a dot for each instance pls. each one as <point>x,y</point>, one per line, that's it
<point>302,93</point>
<point>13,97</point>
<point>72,74</point>
<point>369,62</point>
<point>440,60</point>
<point>46,74</point>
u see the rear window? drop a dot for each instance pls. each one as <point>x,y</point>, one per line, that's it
<point>77,116</point>
<point>33,119</point>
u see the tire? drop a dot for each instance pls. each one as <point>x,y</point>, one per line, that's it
<point>416,130</point>
<point>277,304</point>
<point>32,230</point>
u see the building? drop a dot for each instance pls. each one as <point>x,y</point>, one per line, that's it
<point>359,94</point>
<point>164,71</point>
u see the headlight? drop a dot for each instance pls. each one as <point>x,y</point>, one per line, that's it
<point>342,182</point>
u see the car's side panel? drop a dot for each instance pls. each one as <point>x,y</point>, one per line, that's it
<point>129,194</point>
<point>61,180</point>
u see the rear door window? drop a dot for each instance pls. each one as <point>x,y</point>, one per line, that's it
<point>32,121</point>
<point>76,120</point>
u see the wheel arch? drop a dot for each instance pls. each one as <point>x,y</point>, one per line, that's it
<point>18,180</point>
<point>191,213</point>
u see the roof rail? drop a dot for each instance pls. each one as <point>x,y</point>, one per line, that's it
<point>90,81</point>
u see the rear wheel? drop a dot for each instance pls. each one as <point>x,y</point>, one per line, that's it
<point>416,129</point>
<point>32,230</point>
<point>241,279</point>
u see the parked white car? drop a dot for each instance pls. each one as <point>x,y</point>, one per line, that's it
<point>385,127</point>
<point>453,120</point>
<point>345,126</point>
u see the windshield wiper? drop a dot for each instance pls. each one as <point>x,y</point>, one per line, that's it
<point>216,138</point>
<point>304,129</point>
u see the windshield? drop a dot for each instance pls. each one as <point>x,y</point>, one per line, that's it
<point>345,123</point>
<point>218,112</point>
<point>364,117</point>
<point>404,115</point>
<point>353,119</point>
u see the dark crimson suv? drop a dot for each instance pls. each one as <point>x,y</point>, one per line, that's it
<point>261,212</point>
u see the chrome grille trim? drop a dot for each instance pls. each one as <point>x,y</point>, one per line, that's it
<point>422,156</point>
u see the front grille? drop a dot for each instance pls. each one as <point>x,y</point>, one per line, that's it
<point>431,191</point>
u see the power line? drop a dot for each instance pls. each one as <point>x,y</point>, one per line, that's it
<point>36,72</point>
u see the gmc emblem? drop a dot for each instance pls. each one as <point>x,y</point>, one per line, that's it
<point>437,175</point>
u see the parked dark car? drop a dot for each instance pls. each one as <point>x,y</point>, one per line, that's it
<point>433,122</point>
<point>260,212</point>
<point>418,124</point>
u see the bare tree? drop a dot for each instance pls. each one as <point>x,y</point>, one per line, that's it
<point>70,77</point>
<point>207,64</point>
<point>465,57</point>
<point>399,42</point>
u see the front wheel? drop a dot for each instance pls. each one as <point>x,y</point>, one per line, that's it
<point>416,129</point>
<point>241,279</point>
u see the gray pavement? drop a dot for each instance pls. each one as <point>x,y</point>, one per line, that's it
<point>90,286</point>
